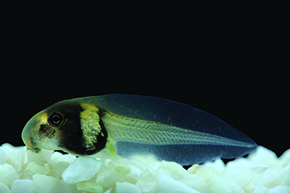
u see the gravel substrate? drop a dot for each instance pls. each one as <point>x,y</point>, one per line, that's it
<point>24,171</point>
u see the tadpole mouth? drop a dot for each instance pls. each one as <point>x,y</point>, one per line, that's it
<point>34,149</point>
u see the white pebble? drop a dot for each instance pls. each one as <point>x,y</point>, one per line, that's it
<point>81,169</point>
<point>193,169</point>
<point>217,165</point>
<point>61,166</point>
<point>286,177</point>
<point>147,181</point>
<point>196,182</point>
<point>4,188</point>
<point>285,156</point>
<point>175,169</point>
<point>242,176</point>
<point>25,171</point>
<point>57,157</point>
<point>279,189</point>
<point>109,190</point>
<point>109,177</point>
<point>18,186</point>
<point>90,187</point>
<point>7,174</point>
<point>206,172</point>
<point>40,158</point>
<point>217,184</point>
<point>63,187</point>
<point>45,184</point>
<point>3,156</point>
<point>34,168</point>
<point>260,189</point>
<point>234,186</point>
<point>168,185</point>
<point>126,187</point>
<point>264,155</point>
<point>8,147</point>
<point>270,178</point>
<point>16,158</point>
<point>250,187</point>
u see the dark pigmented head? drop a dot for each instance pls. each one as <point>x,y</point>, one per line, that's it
<point>69,131</point>
<point>69,126</point>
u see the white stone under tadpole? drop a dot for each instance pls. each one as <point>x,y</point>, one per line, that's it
<point>81,169</point>
<point>125,187</point>
<point>8,174</point>
<point>279,189</point>
<point>53,172</point>
<point>3,156</point>
<point>168,184</point>
<point>23,185</point>
<point>4,188</point>
<point>45,184</point>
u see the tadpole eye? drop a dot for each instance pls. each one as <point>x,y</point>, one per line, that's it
<point>55,119</point>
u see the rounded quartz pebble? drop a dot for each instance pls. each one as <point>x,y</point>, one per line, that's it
<point>40,158</point>
<point>24,171</point>
<point>264,155</point>
<point>217,184</point>
<point>4,188</point>
<point>168,184</point>
<point>125,187</point>
<point>61,166</point>
<point>8,174</point>
<point>270,178</point>
<point>279,189</point>
<point>44,183</point>
<point>19,185</point>
<point>3,156</point>
<point>35,168</point>
<point>90,187</point>
<point>286,177</point>
<point>16,158</point>
<point>109,177</point>
<point>81,169</point>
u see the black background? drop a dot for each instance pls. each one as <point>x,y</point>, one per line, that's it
<point>232,66</point>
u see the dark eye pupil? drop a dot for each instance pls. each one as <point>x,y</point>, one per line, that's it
<point>55,119</point>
